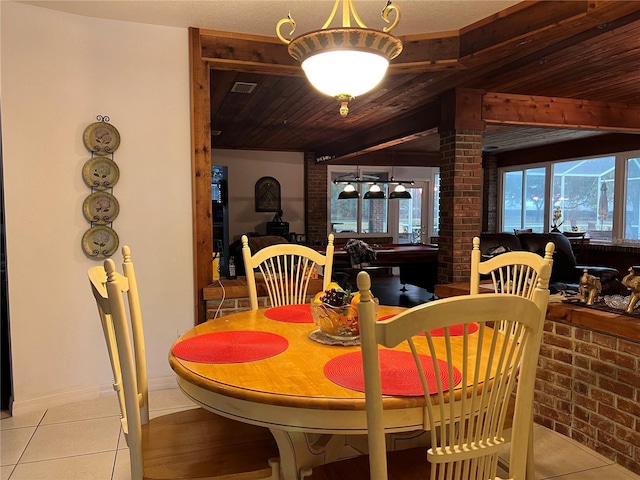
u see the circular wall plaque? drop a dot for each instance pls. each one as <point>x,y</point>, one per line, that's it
<point>101,137</point>
<point>100,173</point>
<point>101,208</point>
<point>100,242</point>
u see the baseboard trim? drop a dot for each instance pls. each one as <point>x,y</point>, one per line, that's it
<point>77,395</point>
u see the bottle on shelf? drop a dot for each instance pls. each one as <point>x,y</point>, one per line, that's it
<point>232,268</point>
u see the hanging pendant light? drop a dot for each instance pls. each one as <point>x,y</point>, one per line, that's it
<point>375,193</point>
<point>399,193</point>
<point>345,62</point>
<point>349,192</point>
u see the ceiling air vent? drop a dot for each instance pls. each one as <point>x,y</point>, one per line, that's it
<point>243,87</point>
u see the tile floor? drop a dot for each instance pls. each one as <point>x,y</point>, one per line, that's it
<point>83,441</point>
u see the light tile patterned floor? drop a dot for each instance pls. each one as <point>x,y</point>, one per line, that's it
<point>83,441</point>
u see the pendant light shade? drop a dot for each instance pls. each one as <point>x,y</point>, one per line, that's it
<point>399,193</point>
<point>374,193</point>
<point>348,61</point>
<point>349,192</point>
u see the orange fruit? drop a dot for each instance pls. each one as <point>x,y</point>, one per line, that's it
<point>355,300</point>
<point>317,298</point>
<point>335,286</point>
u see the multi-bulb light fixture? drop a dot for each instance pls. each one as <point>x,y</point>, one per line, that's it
<point>375,192</point>
<point>348,61</point>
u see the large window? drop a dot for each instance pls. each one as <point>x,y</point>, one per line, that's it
<point>587,194</point>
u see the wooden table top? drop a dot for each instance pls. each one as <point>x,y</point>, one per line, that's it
<point>293,378</point>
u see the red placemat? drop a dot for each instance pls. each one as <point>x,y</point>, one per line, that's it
<point>454,330</point>
<point>290,313</point>
<point>398,373</point>
<point>235,346</point>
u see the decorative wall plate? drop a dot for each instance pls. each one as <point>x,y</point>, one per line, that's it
<point>101,208</point>
<point>101,138</point>
<point>100,242</point>
<point>100,173</point>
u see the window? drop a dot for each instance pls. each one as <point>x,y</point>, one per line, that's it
<point>359,215</point>
<point>584,191</point>
<point>524,188</point>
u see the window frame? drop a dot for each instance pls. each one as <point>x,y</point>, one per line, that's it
<point>619,195</point>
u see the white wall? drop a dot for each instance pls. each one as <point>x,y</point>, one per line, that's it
<point>245,169</point>
<point>58,72</point>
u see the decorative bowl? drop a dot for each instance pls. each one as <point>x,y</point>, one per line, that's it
<point>337,322</point>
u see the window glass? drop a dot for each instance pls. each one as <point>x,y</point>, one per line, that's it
<point>374,211</point>
<point>344,213</point>
<point>512,201</point>
<point>358,215</point>
<point>582,190</point>
<point>632,202</point>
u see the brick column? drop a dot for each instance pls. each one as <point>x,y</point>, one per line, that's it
<point>460,129</point>
<point>460,202</point>
<point>490,187</point>
<point>316,219</point>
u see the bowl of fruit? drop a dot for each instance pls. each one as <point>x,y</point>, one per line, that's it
<point>335,312</point>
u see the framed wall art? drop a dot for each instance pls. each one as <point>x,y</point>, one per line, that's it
<point>267,195</point>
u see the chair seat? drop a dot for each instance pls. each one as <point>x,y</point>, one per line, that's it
<point>198,444</point>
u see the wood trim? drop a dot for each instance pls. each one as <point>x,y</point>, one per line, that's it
<point>201,172</point>
<point>559,112</point>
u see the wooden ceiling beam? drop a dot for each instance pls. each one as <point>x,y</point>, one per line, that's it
<point>401,130</point>
<point>504,108</point>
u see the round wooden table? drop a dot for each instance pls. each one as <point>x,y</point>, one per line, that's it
<point>313,420</point>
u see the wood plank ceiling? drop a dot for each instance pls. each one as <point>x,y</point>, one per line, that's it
<point>554,72</point>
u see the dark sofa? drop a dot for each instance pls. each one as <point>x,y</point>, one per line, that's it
<point>565,274</point>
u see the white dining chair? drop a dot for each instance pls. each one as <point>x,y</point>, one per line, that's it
<point>285,269</point>
<point>191,444</point>
<point>465,420</point>
<point>513,273</point>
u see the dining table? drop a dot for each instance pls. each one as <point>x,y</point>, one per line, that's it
<point>273,367</point>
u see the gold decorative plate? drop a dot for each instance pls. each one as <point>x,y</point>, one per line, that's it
<point>100,173</point>
<point>101,208</point>
<point>102,138</point>
<point>100,242</point>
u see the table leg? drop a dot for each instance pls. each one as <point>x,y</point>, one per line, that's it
<point>300,452</point>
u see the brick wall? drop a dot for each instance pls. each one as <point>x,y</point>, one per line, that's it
<point>235,305</point>
<point>490,193</point>
<point>316,199</point>
<point>588,388</point>
<point>460,202</point>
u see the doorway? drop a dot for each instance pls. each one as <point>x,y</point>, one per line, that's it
<point>413,217</point>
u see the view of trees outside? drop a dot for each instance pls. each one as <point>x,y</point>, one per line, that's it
<point>344,213</point>
<point>632,201</point>
<point>410,216</point>
<point>524,187</point>
<point>583,189</point>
